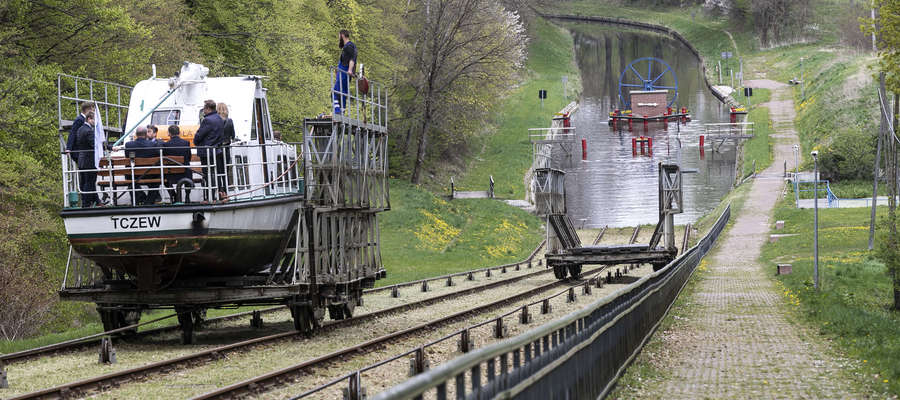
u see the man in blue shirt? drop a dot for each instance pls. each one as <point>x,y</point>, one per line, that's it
<point>345,69</point>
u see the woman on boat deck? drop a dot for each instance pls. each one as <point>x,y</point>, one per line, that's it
<point>345,69</point>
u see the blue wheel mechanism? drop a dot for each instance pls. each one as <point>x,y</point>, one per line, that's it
<point>647,73</point>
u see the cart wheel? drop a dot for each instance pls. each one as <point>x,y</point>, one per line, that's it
<point>336,312</point>
<point>559,271</point>
<point>198,316</point>
<point>575,271</point>
<point>115,319</point>
<point>305,320</point>
<point>186,322</point>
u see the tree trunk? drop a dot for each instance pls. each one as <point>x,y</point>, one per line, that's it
<point>897,295</point>
<point>423,138</point>
<point>404,149</point>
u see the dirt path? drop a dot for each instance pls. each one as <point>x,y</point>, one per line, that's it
<point>737,341</point>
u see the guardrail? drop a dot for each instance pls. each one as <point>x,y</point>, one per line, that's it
<point>578,356</point>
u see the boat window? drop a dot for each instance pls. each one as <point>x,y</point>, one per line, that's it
<point>265,114</point>
<point>165,117</point>
<point>253,125</point>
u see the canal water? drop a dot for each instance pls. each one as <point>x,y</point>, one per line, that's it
<point>613,186</point>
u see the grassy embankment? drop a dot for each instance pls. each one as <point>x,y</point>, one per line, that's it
<point>506,152</point>
<point>851,308</point>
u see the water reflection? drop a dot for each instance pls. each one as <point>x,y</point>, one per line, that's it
<point>613,187</point>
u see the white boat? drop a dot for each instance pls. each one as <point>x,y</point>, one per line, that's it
<point>274,222</point>
<point>236,224</point>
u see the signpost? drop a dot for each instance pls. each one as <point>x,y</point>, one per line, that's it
<point>748,92</point>
<point>542,94</point>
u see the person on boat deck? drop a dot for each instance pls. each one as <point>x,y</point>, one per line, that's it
<point>152,131</point>
<point>211,133</point>
<point>142,147</point>
<point>345,69</point>
<point>228,137</point>
<point>179,150</point>
<point>84,146</point>
<point>227,123</point>
<point>73,131</point>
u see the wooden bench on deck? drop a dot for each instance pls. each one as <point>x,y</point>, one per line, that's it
<point>146,172</point>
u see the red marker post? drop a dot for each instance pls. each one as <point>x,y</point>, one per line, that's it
<point>583,149</point>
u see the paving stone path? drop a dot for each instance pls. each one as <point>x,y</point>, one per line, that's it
<point>737,341</point>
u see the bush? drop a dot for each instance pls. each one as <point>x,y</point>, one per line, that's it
<point>29,247</point>
<point>850,155</point>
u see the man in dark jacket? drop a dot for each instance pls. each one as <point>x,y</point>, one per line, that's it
<point>76,125</point>
<point>84,147</point>
<point>178,150</point>
<point>211,133</point>
<point>142,147</point>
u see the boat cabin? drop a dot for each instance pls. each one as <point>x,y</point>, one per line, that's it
<point>256,164</point>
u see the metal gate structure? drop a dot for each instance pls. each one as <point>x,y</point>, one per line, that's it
<point>579,356</point>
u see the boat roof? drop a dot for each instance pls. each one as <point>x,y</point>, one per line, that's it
<point>152,96</point>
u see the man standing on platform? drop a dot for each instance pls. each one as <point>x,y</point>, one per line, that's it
<point>76,125</point>
<point>345,69</point>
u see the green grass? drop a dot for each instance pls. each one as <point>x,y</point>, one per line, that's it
<point>846,189</point>
<point>94,326</point>
<point>427,235</point>
<point>507,151</point>
<point>759,148</point>
<point>759,96</point>
<point>852,307</point>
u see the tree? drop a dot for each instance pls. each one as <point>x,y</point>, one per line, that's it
<point>887,28</point>
<point>463,48</point>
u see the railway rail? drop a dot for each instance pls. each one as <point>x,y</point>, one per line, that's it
<point>106,381</point>
<point>418,355</point>
<point>94,340</point>
<point>277,378</point>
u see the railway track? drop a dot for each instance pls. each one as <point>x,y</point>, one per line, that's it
<point>279,377</point>
<point>92,341</point>
<point>106,381</point>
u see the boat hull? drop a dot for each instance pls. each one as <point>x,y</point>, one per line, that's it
<point>168,242</point>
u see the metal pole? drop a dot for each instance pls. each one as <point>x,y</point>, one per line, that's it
<point>797,175</point>
<point>816,220</point>
<point>720,71</point>
<point>802,83</point>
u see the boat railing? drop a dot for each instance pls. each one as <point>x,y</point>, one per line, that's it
<point>236,172</point>
<point>110,98</point>
<point>365,103</point>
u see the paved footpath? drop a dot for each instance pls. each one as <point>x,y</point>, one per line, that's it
<point>737,341</point>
